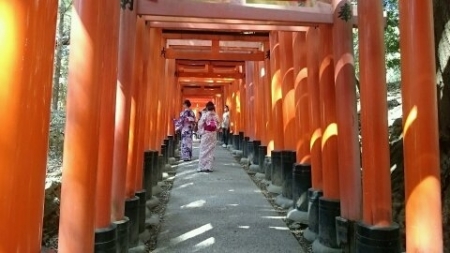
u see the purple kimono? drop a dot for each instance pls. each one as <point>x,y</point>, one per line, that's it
<point>185,124</point>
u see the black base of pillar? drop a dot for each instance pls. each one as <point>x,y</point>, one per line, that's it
<point>262,151</point>
<point>106,240</point>
<point>147,178</point>
<point>241,141</point>
<point>301,182</point>
<point>268,168</point>
<point>165,150</point>
<point>287,163</point>
<point>142,200</point>
<point>371,239</point>
<point>345,234</point>
<point>132,212</point>
<point>171,146</point>
<point>313,218</point>
<point>236,141</point>
<point>245,147</point>
<point>123,230</point>
<point>155,168</point>
<point>256,144</point>
<point>329,209</point>
<point>250,150</point>
<point>276,168</point>
<point>161,168</point>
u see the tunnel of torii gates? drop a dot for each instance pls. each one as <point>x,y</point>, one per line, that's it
<point>289,83</point>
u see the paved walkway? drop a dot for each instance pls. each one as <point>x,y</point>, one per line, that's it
<point>222,211</point>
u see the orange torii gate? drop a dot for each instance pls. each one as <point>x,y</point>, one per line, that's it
<point>118,76</point>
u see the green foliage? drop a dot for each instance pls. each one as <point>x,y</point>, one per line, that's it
<point>345,12</point>
<point>391,40</point>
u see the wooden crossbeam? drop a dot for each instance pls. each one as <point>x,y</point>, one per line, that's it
<point>174,54</point>
<point>213,63</point>
<point>211,75</point>
<point>183,8</point>
<point>185,35</point>
<point>201,92</point>
<point>228,27</point>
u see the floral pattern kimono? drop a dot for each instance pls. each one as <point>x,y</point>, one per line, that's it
<point>208,142</point>
<point>185,124</point>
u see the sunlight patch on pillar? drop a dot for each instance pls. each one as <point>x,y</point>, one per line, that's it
<point>8,37</point>
<point>244,227</point>
<point>426,191</point>
<point>276,86</point>
<point>329,132</point>
<point>346,59</point>
<point>315,137</point>
<point>412,116</point>
<point>262,72</point>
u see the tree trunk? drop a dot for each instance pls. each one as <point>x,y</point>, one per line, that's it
<point>58,55</point>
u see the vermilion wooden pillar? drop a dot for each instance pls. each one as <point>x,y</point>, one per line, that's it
<point>108,82</point>
<point>234,112</point>
<point>287,90</point>
<point>81,134</point>
<point>142,112</point>
<point>261,104</point>
<point>346,116</point>
<point>420,130</point>
<point>302,104</point>
<point>170,85</point>
<point>242,106</point>
<point>277,107</point>
<point>165,101</point>
<point>160,66</point>
<point>330,168</point>
<point>136,90</point>
<point>268,101</point>
<point>155,51</point>
<point>249,90</point>
<point>127,37</point>
<point>377,204</point>
<point>315,130</point>
<point>255,112</point>
<point>27,46</point>
<point>146,79</point>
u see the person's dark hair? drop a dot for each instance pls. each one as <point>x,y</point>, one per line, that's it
<point>210,106</point>
<point>187,103</point>
<point>228,108</point>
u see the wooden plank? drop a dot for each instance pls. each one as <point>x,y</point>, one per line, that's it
<point>204,80</point>
<point>174,54</point>
<point>211,75</point>
<point>217,21</point>
<point>184,8</point>
<point>192,63</point>
<point>227,27</point>
<point>195,36</point>
<point>200,92</point>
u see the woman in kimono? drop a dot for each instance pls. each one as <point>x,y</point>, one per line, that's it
<point>185,124</point>
<point>208,126</point>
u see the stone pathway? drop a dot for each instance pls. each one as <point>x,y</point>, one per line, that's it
<point>222,211</point>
